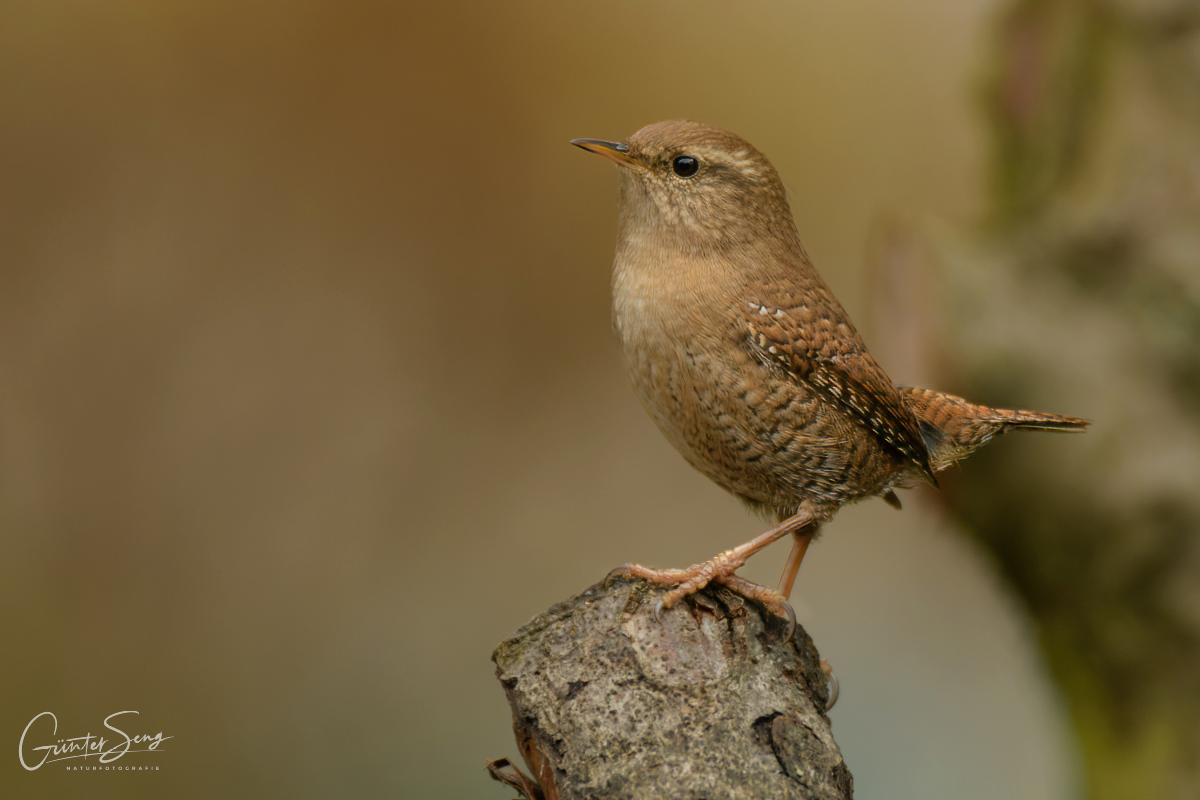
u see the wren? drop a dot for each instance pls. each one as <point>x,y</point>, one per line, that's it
<point>748,363</point>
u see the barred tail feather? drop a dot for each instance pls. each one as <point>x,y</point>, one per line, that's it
<point>1035,420</point>
<point>954,428</point>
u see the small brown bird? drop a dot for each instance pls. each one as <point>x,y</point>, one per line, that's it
<point>748,363</point>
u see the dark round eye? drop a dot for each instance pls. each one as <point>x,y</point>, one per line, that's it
<point>685,166</point>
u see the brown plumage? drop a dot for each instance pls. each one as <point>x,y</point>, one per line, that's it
<point>746,360</point>
<point>956,428</point>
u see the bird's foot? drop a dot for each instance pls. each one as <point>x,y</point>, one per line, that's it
<point>719,570</point>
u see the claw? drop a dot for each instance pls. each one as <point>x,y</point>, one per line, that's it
<point>791,617</point>
<point>617,572</point>
<point>834,686</point>
<point>658,609</point>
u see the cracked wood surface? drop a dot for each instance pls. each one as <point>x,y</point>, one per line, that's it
<point>709,702</point>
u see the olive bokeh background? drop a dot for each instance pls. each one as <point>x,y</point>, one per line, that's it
<point>308,395</point>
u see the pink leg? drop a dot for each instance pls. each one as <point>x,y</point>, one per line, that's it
<point>802,538</point>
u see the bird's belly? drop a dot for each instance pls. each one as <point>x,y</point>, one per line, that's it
<point>760,436</point>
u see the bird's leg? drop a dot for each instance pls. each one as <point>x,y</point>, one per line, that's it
<point>801,537</point>
<point>721,568</point>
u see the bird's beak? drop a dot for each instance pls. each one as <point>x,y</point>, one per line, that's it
<point>617,152</point>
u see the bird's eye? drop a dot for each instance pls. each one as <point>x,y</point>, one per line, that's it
<point>685,166</point>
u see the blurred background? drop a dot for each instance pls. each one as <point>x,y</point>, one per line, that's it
<point>308,395</point>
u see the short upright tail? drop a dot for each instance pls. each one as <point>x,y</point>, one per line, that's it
<point>954,428</point>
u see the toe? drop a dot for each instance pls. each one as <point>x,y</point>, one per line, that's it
<point>790,613</point>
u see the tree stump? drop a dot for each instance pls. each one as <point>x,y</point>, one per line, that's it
<point>711,701</point>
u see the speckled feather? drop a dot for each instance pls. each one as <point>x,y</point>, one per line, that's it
<point>810,346</point>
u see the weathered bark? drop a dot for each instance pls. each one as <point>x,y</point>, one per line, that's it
<point>711,701</point>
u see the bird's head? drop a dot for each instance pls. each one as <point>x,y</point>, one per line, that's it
<point>696,182</point>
